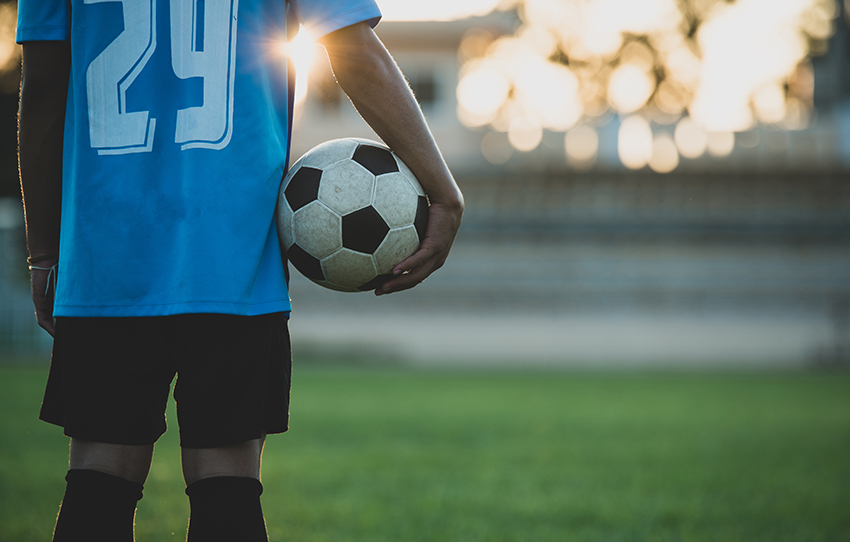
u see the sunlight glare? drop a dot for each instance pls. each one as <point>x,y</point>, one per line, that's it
<point>301,51</point>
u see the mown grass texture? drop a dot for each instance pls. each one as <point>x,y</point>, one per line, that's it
<point>438,455</point>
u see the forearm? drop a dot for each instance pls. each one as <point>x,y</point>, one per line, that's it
<point>376,87</point>
<point>40,141</point>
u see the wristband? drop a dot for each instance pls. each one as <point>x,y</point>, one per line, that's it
<point>51,276</point>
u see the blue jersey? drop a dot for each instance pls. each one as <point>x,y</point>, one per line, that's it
<point>176,138</point>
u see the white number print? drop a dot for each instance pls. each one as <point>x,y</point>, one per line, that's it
<point>112,129</point>
<point>203,44</point>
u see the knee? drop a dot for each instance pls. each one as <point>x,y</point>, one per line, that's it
<point>125,461</point>
<point>240,460</point>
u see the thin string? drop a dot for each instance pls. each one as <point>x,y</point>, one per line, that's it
<point>54,270</point>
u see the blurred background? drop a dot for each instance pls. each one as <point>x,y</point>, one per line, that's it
<point>648,183</point>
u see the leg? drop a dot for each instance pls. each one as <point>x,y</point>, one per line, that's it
<point>129,462</point>
<point>232,389</point>
<point>99,397</point>
<point>104,483</point>
<point>224,492</point>
<point>242,460</point>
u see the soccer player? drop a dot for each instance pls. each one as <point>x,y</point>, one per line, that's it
<point>153,137</point>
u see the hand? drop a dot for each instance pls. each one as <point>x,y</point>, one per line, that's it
<point>43,292</point>
<point>443,224</point>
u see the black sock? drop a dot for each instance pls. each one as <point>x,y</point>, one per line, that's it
<point>97,507</point>
<point>226,509</point>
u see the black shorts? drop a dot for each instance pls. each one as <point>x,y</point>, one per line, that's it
<point>110,377</point>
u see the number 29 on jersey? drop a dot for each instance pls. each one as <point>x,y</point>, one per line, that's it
<point>203,44</point>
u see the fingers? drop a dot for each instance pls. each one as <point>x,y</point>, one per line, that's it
<point>43,309</point>
<point>43,292</point>
<point>416,260</point>
<point>443,224</point>
<point>414,270</point>
<point>403,282</point>
<point>46,322</point>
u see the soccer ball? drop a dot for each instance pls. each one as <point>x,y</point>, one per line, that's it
<point>349,210</point>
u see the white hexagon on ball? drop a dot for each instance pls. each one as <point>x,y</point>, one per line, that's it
<point>349,269</point>
<point>328,153</point>
<point>397,245</point>
<point>317,230</point>
<point>346,187</point>
<point>395,199</point>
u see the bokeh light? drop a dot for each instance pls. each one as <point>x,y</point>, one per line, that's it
<point>769,104</point>
<point>480,94</point>
<point>582,145</point>
<point>705,68</point>
<point>691,138</point>
<point>629,88</point>
<point>665,156</point>
<point>525,133</point>
<point>720,144</point>
<point>634,142</point>
<point>435,10</point>
<point>518,89</point>
<point>747,46</point>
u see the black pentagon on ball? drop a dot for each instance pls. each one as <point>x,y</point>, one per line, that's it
<point>375,159</point>
<point>363,230</point>
<point>374,283</point>
<point>309,266</point>
<point>303,187</point>
<point>421,220</point>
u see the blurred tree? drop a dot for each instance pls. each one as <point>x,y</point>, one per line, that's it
<point>708,67</point>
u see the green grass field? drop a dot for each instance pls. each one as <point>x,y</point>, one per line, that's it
<point>409,455</point>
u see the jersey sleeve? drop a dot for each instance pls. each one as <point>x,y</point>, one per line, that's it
<point>43,20</point>
<point>320,17</point>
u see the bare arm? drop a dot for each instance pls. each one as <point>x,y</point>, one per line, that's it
<point>376,87</point>
<point>44,89</point>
